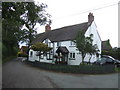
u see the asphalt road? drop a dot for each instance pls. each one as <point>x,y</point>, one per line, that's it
<point>16,74</point>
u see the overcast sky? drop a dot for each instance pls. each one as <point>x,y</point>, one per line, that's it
<point>70,12</point>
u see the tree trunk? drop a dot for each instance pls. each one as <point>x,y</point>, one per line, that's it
<point>39,58</point>
<point>39,55</point>
<point>83,58</point>
<point>90,57</point>
<point>28,52</point>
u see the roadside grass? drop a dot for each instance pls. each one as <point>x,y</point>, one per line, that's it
<point>8,59</point>
<point>80,69</point>
<point>117,69</point>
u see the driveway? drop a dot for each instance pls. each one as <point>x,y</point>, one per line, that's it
<point>16,74</point>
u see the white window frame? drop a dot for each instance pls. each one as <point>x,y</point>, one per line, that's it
<point>72,56</point>
<point>72,43</point>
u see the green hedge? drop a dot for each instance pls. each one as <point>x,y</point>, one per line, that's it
<point>84,69</point>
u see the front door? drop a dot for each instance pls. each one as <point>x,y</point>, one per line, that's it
<point>65,58</point>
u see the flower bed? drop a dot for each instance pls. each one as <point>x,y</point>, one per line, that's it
<point>83,69</point>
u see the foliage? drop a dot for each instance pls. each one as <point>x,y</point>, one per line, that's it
<point>34,14</point>
<point>83,69</point>
<point>84,44</point>
<point>15,16</point>
<point>41,47</point>
<point>115,52</point>
<point>117,69</point>
<point>21,54</point>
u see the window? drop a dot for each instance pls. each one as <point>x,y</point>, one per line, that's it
<point>58,44</point>
<point>72,43</point>
<point>31,53</point>
<point>49,44</point>
<point>72,56</point>
<point>40,54</point>
<point>46,41</point>
<point>49,56</point>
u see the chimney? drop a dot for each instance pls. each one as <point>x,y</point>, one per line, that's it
<point>90,17</point>
<point>47,28</point>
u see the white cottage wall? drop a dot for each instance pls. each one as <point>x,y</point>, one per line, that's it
<point>96,40</point>
<point>71,49</point>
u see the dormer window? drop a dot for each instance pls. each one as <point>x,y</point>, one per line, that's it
<point>58,44</point>
<point>46,41</point>
<point>72,43</point>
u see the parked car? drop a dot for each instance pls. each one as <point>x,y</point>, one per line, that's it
<point>107,60</point>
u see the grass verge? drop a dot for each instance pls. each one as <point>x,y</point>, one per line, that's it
<point>117,69</point>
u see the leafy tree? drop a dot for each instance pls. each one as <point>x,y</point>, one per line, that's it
<point>11,24</point>
<point>15,15</point>
<point>41,47</point>
<point>34,14</point>
<point>84,45</point>
<point>90,48</point>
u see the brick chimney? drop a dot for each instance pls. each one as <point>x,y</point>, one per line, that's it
<point>90,17</point>
<point>47,28</point>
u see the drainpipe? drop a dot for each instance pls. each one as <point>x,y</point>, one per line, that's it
<point>53,52</point>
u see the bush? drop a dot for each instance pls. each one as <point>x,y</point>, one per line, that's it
<point>8,59</point>
<point>84,69</point>
<point>21,54</point>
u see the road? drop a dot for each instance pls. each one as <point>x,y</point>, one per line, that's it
<point>16,74</point>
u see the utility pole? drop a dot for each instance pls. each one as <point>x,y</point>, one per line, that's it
<point>119,24</point>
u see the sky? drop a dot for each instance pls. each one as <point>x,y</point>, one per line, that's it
<point>70,12</point>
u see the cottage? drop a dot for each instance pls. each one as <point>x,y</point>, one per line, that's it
<point>61,40</point>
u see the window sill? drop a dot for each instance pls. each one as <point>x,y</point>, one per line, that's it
<point>71,58</point>
<point>72,46</point>
<point>49,59</point>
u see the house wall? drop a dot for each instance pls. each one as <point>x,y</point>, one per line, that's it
<point>96,40</point>
<point>43,58</point>
<point>71,49</point>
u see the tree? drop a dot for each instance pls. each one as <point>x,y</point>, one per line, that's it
<point>41,47</point>
<point>11,25</point>
<point>34,14</point>
<point>15,15</point>
<point>90,48</point>
<point>84,44</point>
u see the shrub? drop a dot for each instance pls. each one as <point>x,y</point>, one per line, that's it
<point>21,54</point>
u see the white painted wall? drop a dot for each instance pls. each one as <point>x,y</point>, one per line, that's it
<point>96,39</point>
<point>70,48</point>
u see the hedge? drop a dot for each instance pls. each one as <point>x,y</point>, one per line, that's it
<point>83,69</point>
